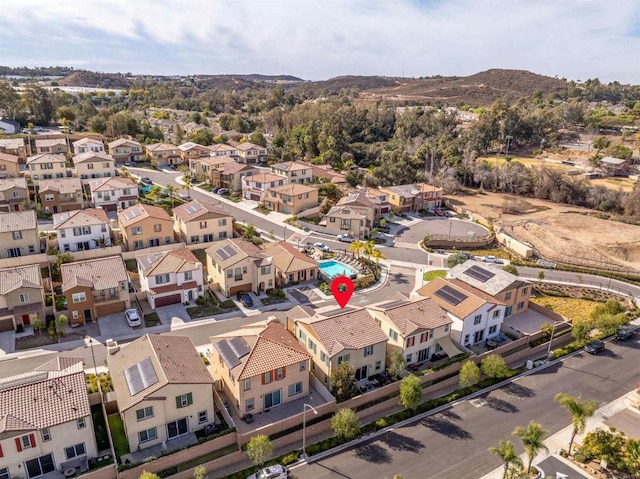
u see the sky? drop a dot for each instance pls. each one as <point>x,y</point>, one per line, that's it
<point>320,39</point>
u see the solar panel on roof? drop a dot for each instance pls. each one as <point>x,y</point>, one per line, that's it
<point>229,250</point>
<point>131,214</point>
<point>228,356</point>
<point>222,254</point>
<point>192,208</point>
<point>481,274</point>
<point>392,304</point>
<point>450,295</point>
<point>239,346</point>
<point>140,376</point>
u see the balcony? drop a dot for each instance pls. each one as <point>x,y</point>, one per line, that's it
<point>101,298</point>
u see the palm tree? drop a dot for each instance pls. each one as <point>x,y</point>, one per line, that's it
<point>170,189</point>
<point>579,411</point>
<point>377,254</point>
<point>507,454</point>
<point>532,438</point>
<point>154,193</point>
<point>595,161</point>
<point>187,184</point>
<point>368,247</point>
<point>356,247</point>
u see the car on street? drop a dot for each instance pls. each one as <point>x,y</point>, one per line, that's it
<point>346,238</point>
<point>133,318</point>
<point>223,191</point>
<point>322,247</point>
<point>184,197</point>
<point>272,472</point>
<point>625,332</point>
<point>246,300</point>
<point>594,347</point>
<point>146,180</point>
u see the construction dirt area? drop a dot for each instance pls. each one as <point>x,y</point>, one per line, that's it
<point>560,233</point>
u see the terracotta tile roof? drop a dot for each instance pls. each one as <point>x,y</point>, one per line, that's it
<point>356,199</point>
<point>222,147</point>
<point>173,287</point>
<point>189,145</point>
<point>90,157</point>
<point>246,146</point>
<point>112,183</point>
<point>46,158</point>
<point>44,398</point>
<point>287,258</point>
<point>411,316</point>
<point>53,142</point>
<point>9,183</point>
<point>232,168</point>
<point>290,166</point>
<point>174,360</point>
<point>20,277</point>
<point>161,147</point>
<point>177,261</point>
<point>138,212</point>
<point>18,221</point>
<point>293,189</point>
<point>9,158</point>
<point>87,141</point>
<point>100,273</point>
<point>240,248</point>
<point>469,305</point>
<point>12,143</point>
<point>264,178</point>
<point>123,141</point>
<point>64,186</point>
<point>76,218</point>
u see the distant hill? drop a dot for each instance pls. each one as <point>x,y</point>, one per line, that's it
<point>95,80</point>
<point>239,82</point>
<point>335,85</point>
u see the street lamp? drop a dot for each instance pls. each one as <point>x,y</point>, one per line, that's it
<point>304,426</point>
<point>284,237</point>
<point>551,340</point>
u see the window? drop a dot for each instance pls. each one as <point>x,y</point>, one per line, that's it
<point>162,278</point>
<point>230,273</point>
<point>312,346</point>
<point>303,365</point>
<point>477,319</point>
<point>74,451</point>
<point>138,244</point>
<point>90,166</point>
<point>523,291</point>
<point>24,297</point>
<point>520,305</point>
<point>496,314</point>
<point>411,341</point>
<point>302,335</point>
<point>248,404</point>
<point>195,239</point>
<point>221,235</point>
<point>202,417</point>
<point>26,442</point>
<point>105,165</point>
<point>79,297</point>
<point>279,373</point>
<point>507,296</point>
<point>446,328</point>
<point>74,314</point>
<point>222,222</point>
<point>378,365</point>
<point>144,413</point>
<point>466,339</point>
<point>48,197</point>
<point>266,377</point>
<point>148,435</point>
<point>393,334</point>
<point>46,434</point>
<point>368,351</point>
<point>295,389</point>
<point>247,384</point>
<point>344,358</point>
<point>184,400</point>
<point>323,356</point>
<point>188,275</point>
<point>136,230</point>
<point>203,225</point>
<point>4,472</point>
<point>424,337</point>
<point>409,357</point>
<point>40,466</point>
<point>157,228</point>
<point>265,269</point>
<point>493,329</point>
<point>17,235</point>
<point>81,423</point>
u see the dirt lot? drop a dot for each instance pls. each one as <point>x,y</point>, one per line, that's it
<point>561,233</point>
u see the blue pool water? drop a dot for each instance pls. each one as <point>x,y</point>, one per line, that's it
<point>335,268</point>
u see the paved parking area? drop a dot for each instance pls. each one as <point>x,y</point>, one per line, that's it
<point>115,326</point>
<point>528,322</point>
<point>440,226</point>
<point>7,342</point>
<point>173,315</point>
<point>556,467</point>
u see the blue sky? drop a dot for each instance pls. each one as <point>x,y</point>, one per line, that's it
<point>320,39</point>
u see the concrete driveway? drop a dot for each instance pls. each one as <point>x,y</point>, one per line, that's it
<point>173,315</point>
<point>115,326</point>
<point>7,342</point>
<point>440,226</point>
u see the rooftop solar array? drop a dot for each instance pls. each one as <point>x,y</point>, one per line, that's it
<point>225,252</point>
<point>392,304</point>
<point>140,376</point>
<point>481,274</point>
<point>192,208</point>
<point>450,295</point>
<point>131,214</point>
<point>232,350</point>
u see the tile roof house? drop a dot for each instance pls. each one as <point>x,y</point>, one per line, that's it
<point>170,277</point>
<point>324,172</point>
<point>88,145</point>
<point>13,146</point>
<point>19,234</point>
<point>164,154</point>
<point>202,222</point>
<point>9,167</point>
<point>236,265</point>
<point>55,146</point>
<point>81,230</point>
<point>413,198</point>
<point>45,421</point>
<point>230,175</point>
<point>13,194</point>
<point>115,193</point>
<point>89,166</point>
<point>21,296</point>
<point>190,150</point>
<point>290,264</point>
<point>124,150</point>
<point>476,315</point>
<point>261,366</point>
<point>357,222</point>
<point>334,337</point>
<point>163,390</point>
<point>202,168</point>
<point>291,199</point>
<point>46,166</point>
<point>145,226</point>
<point>255,187</point>
<point>95,288</point>
<point>293,171</point>
<point>61,194</point>
<point>250,153</point>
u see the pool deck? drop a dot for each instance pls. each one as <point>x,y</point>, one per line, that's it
<point>334,270</point>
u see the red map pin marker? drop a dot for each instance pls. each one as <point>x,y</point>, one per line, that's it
<point>342,289</point>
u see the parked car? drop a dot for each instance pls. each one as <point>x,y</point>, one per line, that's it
<point>215,190</point>
<point>346,238</point>
<point>272,472</point>
<point>246,300</point>
<point>322,247</point>
<point>133,318</point>
<point>384,229</point>
<point>594,347</point>
<point>146,180</point>
<point>223,191</point>
<point>625,332</point>
<point>184,197</point>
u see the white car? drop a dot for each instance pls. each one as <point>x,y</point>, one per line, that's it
<point>271,472</point>
<point>133,319</point>
<point>346,238</point>
<point>322,247</point>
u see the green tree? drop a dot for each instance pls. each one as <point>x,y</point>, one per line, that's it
<point>200,472</point>
<point>343,380</point>
<point>581,330</point>
<point>154,193</point>
<point>469,374</point>
<point>532,438</point>
<point>61,323</point>
<point>356,247</point>
<point>540,275</point>
<point>171,191</point>
<point>547,330</point>
<point>257,138</point>
<point>345,424</point>
<point>203,136</point>
<point>187,184</point>
<point>38,324</point>
<point>61,258</point>
<point>579,411</point>
<point>493,366</point>
<point>249,232</point>
<point>600,143</point>
<point>410,391</point>
<point>509,268</point>
<point>396,364</point>
<point>609,445</point>
<point>611,307</point>
<point>456,259</point>
<point>259,449</point>
<point>148,475</point>
<point>507,454</point>
<point>633,455</point>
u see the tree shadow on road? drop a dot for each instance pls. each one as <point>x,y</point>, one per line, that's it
<point>374,453</point>
<point>399,442</point>
<point>519,390</point>
<point>398,278</point>
<point>445,427</point>
<point>501,405</point>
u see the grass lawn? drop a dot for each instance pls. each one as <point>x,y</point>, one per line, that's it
<point>429,275</point>
<point>120,443</point>
<point>100,427</point>
<point>212,307</point>
<point>152,319</point>
<point>575,309</point>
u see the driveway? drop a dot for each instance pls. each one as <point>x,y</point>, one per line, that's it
<point>7,342</point>
<point>440,226</point>
<point>173,315</point>
<point>115,326</point>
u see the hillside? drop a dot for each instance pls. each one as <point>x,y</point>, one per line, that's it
<point>333,86</point>
<point>95,80</point>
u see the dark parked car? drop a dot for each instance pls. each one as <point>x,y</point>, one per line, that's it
<point>594,347</point>
<point>146,180</point>
<point>246,300</point>
<point>625,332</point>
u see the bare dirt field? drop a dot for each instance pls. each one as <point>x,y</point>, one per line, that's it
<point>560,233</point>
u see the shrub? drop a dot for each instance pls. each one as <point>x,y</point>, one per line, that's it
<point>345,424</point>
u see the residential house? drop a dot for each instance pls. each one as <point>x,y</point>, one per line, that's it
<point>9,126</point>
<point>202,167</point>
<point>261,366</point>
<point>349,220</point>
<point>230,175</point>
<point>144,226</point>
<point>291,199</point>
<point>21,296</point>
<point>250,153</point>
<point>14,193</point>
<point>503,286</point>
<point>14,146</point>
<point>476,316</point>
<point>61,194</point>
<point>291,265</point>
<point>191,150</point>
<point>9,167</point>
<point>418,329</point>
<point>413,198</point>
<point>88,145</point>
<point>293,171</point>
<point>124,150</point>
<point>170,277</point>
<point>45,421</point>
<point>89,166</point>
<point>615,166</point>
<point>202,222</point>
<point>334,337</point>
<point>19,234</point>
<point>94,288</point>
<point>379,198</point>
<point>324,172</point>
<point>236,265</point>
<point>222,149</point>
<point>81,230</point>
<point>46,166</point>
<point>164,154</point>
<point>255,187</point>
<point>164,391</point>
<point>56,146</point>
<point>363,204</point>
<point>114,193</point>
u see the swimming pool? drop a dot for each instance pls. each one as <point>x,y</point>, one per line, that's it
<point>335,268</point>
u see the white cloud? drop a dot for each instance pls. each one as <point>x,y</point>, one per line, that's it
<point>317,39</point>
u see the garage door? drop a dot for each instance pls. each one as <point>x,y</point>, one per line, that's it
<point>6,325</point>
<point>165,300</point>
<point>111,308</point>
<point>244,288</point>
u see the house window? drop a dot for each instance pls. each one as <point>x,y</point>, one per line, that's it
<point>195,239</point>
<point>303,365</point>
<point>520,305</point>
<point>477,319</point>
<point>188,275</point>
<point>221,235</point>
<point>184,400</point>
<point>393,334</point>
<point>157,228</point>
<point>74,315</point>
<point>368,351</point>
<point>247,384</point>
<point>378,365</point>
<point>411,341</point>
<point>266,377</point>
<point>79,297</point>
<point>446,328</point>
<point>46,434</point>
<point>424,337</point>
<point>493,329</point>
<point>90,166</point>
<point>466,339</point>
<point>302,336</point>
<point>312,346</point>
<point>48,197</point>
<point>148,435</point>
<point>344,358</point>
<point>203,225</point>
<point>229,273</point>
<point>496,314</point>
<point>295,389</point>
<point>40,466</point>
<point>81,423</point>
<point>136,230</point>
<point>24,297</point>
<point>265,269</point>
<point>144,413</point>
<point>162,278</point>
<point>222,222</point>
<point>323,356</point>
<point>138,244</point>
<point>202,417</point>
<point>248,404</point>
<point>409,357</point>
<point>4,472</point>
<point>17,235</point>
<point>523,292</point>
<point>26,442</point>
<point>279,373</point>
<point>507,296</point>
<point>74,451</point>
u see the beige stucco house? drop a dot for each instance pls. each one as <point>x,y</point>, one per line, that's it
<point>250,153</point>
<point>124,150</point>
<point>202,167</point>
<point>14,146</point>
<point>191,150</point>
<point>54,146</point>
<point>90,166</point>
<point>413,198</point>
<point>144,226</point>
<point>164,154</point>
<point>46,166</point>
<point>291,199</point>
<point>202,222</point>
<point>13,194</point>
<point>230,175</point>
<point>255,187</point>
<point>293,171</point>
<point>9,166</point>
<point>21,296</point>
<point>61,194</point>
<point>88,145</point>
<point>116,193</point>
<point>291,266</point>
<point>19,234</point>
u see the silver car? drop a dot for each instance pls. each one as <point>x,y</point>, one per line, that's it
<point>133,318</point>
<point>271,472</point>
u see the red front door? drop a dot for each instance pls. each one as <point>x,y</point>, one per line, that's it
<point>25,319</point>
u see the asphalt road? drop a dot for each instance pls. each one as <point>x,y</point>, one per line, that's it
<point>454,443</point>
